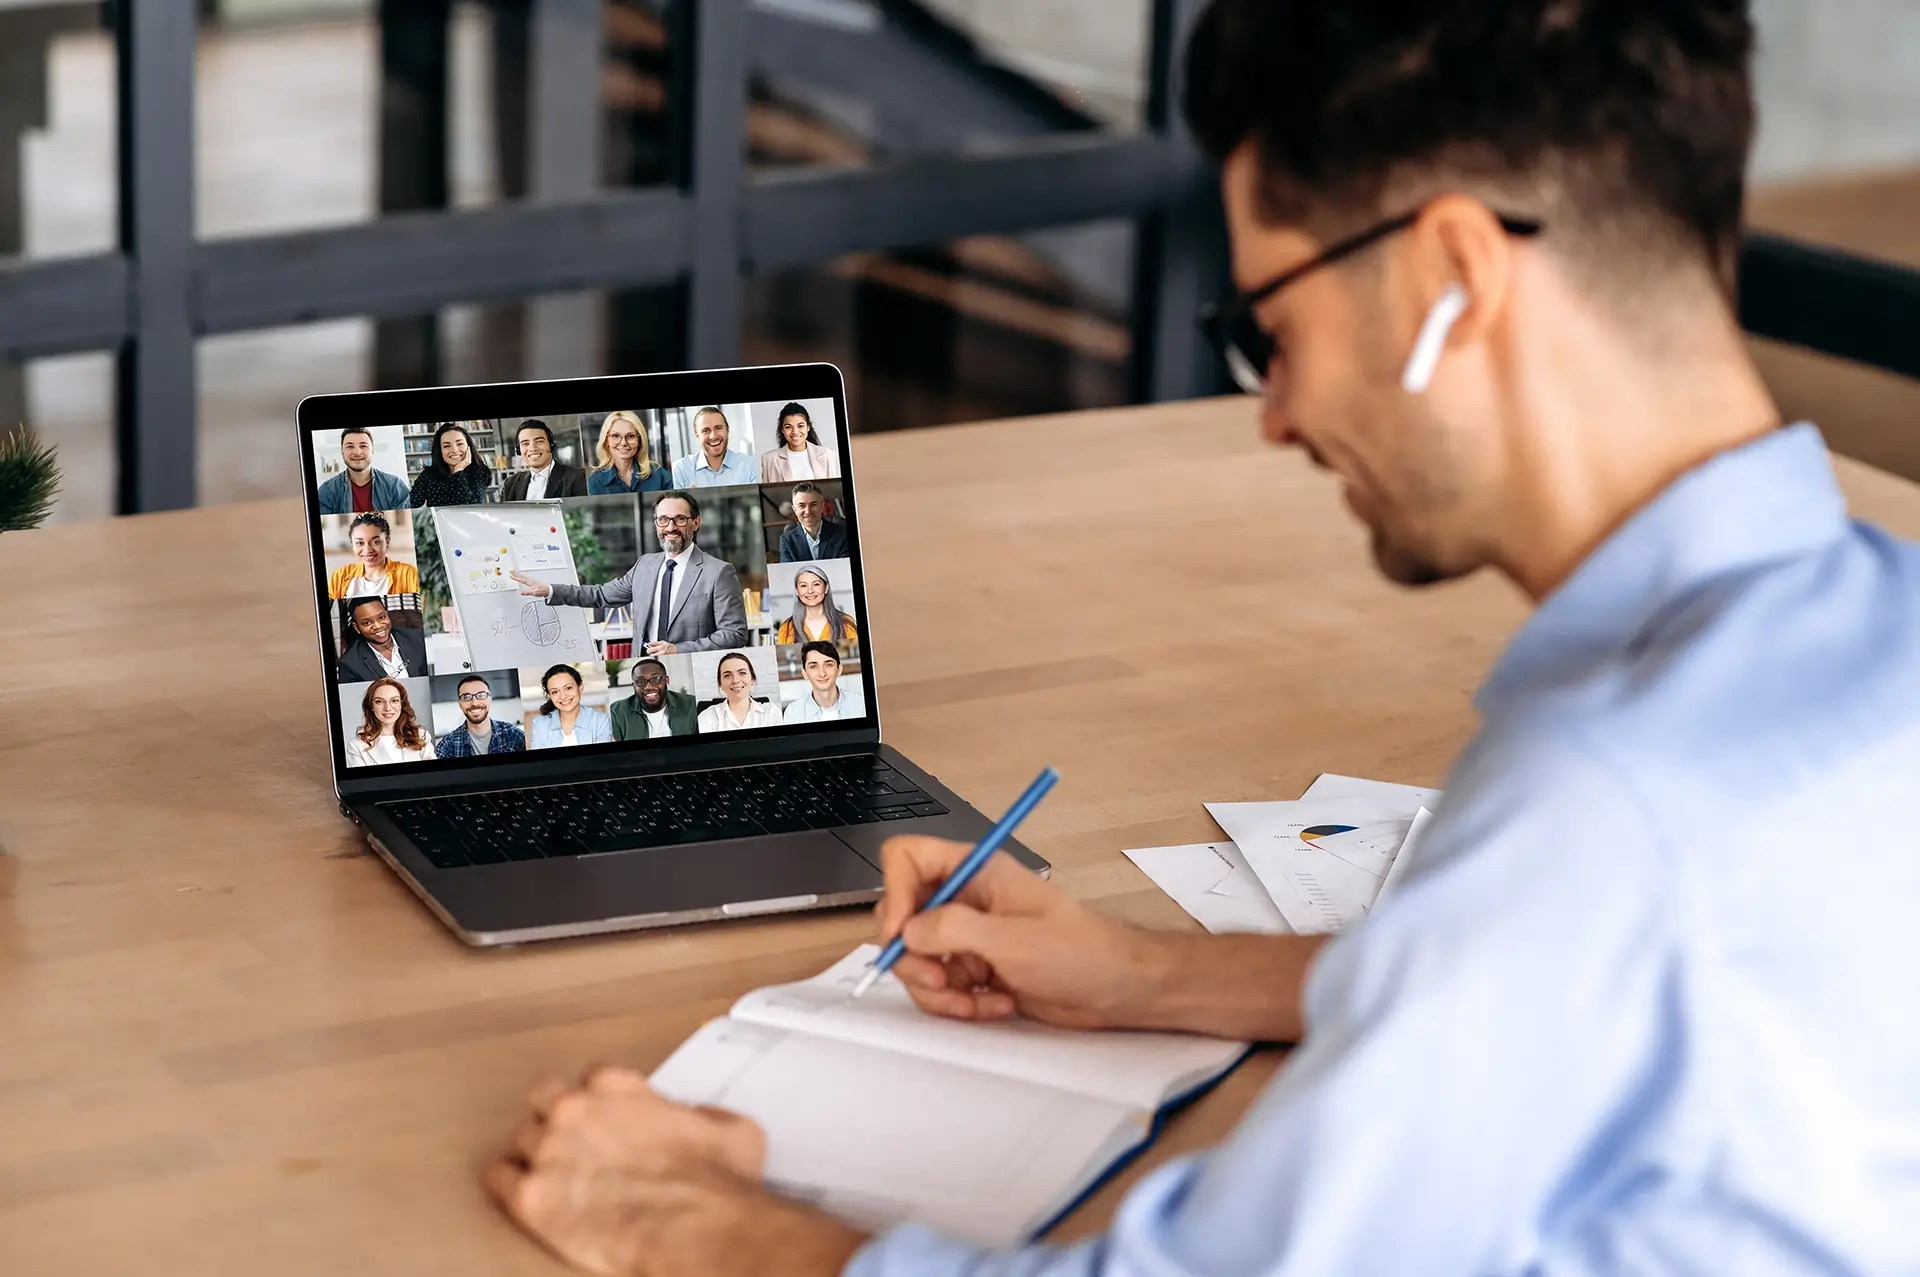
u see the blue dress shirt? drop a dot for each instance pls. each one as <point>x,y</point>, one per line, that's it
<point>605,481</point>
<point>593,727</point>
<point>1645,1002</point>
<point>694,472</point>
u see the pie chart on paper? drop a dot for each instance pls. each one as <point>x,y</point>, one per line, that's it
<point>1313,833</point>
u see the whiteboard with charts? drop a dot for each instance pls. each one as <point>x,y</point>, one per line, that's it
<point>505,629</point>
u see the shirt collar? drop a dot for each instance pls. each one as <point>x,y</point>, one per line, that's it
<point>546,469</point>
<point>726,459</point>
<point>1765,500</point>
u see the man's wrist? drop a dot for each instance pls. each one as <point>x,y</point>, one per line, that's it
<point>740,1230</point>
<point>1233,986</point>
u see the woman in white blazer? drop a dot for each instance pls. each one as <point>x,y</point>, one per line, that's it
<point>800,454</point>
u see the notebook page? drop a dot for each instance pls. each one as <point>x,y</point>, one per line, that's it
<point>881,1138</point>
<point>1140,1070</point>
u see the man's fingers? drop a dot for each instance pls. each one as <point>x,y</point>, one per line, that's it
<point>912,867</point>
<point>613,1079</point>
<point>958,1004</point>
<point>529,1139</point>
<point>955,929</point>
<point>547,1093</point>
<point>504,1181</point>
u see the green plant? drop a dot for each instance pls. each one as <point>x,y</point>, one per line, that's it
<point>435,594</point>
<point>589,558</point>
<point>29,480</point>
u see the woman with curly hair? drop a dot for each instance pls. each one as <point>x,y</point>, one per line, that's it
<point>389,733</point>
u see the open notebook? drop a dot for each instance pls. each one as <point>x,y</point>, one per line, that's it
<point>881,1114</point>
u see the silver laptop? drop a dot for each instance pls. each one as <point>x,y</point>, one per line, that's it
<point>597,654</point>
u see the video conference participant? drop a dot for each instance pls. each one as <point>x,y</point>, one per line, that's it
<point>626,463</point>
<point>457,475</point>
<point>813,535</point>
<point>379,649</point>
<point>372,574</point>
<point>825,700</point>
<point>563,720</point>
<point>815,615</point>
<point>360,488</point>
<point>800,455</point>
<point>388,732</point>
<point>692,600</point>
<point>482,733</point>
<point>654,709</point>
<point>544,477</point>
<point>739,710</point>
<point>715,466</point>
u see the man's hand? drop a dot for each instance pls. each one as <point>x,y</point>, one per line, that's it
<point>1011,942</point>
<point>660,649</point>
<point>1015,943</point>
<point>538,589</point>
<point>617,1180</point>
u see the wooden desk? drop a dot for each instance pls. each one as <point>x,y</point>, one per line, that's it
<point>232,1043</point>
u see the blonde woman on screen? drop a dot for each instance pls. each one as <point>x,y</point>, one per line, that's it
<point>739,710</point>
<point>389,732</point>
<point>815,616</point>
<point>626,463</point>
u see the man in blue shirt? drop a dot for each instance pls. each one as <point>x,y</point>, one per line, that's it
<point>359,488</point>
<point>1643,1004</point>
<point>714,466</point>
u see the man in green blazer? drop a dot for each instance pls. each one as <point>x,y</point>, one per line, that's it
<point>654,709</point>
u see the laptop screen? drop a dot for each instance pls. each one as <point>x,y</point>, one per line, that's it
<point>631,576</point>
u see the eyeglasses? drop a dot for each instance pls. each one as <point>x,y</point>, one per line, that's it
<point>1237,335</point>
<point>474,698</point>
<point>652,680</point>
<point>672,520</point>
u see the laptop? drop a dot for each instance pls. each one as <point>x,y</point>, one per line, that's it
<point>596,653</point>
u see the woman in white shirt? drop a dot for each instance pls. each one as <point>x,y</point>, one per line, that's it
<point>389,733</point>
<point>563,720</point>
<point>739,710</point>
<point>800,454</point>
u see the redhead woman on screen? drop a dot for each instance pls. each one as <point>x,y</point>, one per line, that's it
<point>388,733</point>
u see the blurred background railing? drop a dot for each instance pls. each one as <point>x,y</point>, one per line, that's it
<point>975,207</point>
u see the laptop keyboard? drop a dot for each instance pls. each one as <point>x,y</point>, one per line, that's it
<point>594,817</point>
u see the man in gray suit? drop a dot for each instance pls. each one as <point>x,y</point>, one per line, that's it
<point>684,599</point>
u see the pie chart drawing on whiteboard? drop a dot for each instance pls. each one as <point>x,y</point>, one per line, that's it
<point>540,624</point>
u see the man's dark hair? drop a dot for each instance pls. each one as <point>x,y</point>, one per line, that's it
<point>471,678</point>
<point>1626,122</point>
<point>825,649</point>
<point>353,609</point>
<point>633,675</point>
<point>533,423</point>
<point>693,507</point>
<point>356,430</point>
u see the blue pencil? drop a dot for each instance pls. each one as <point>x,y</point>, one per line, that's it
<point>957,881</point>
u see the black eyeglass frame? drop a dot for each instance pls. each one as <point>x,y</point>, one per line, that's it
<point>1249,351</point>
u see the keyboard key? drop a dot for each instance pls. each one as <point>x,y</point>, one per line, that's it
<point>928,808</point>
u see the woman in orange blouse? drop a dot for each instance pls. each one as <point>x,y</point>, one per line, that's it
<point>815,617</point>
<point>372,574</point>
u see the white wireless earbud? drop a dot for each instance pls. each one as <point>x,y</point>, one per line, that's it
<point>1433,339</point>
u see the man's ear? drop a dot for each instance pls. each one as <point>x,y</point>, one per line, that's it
<point>1458,242</point>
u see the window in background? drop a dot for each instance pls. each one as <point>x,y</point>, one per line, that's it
<point>1837,161</point>
<point>58,194</point>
